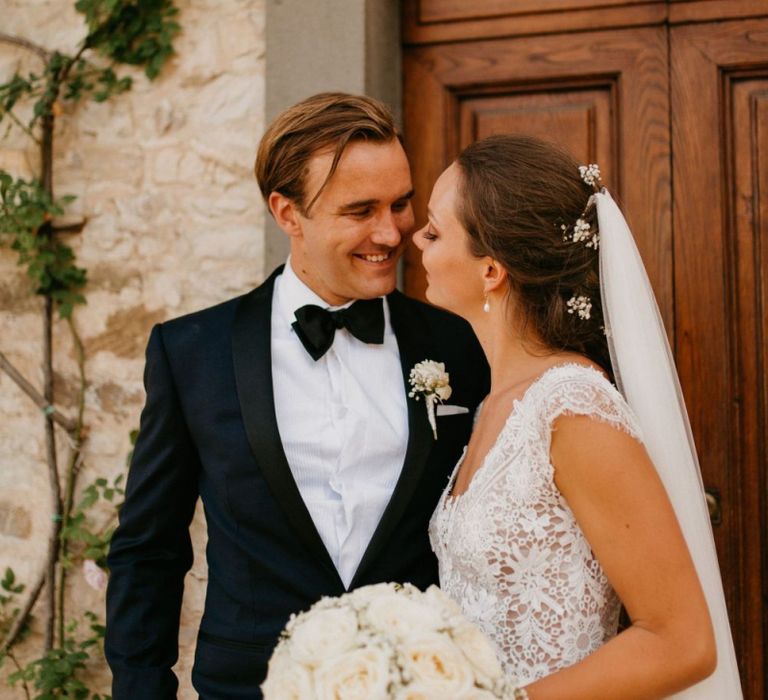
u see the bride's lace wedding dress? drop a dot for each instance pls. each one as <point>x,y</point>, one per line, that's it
<point>509,548</point>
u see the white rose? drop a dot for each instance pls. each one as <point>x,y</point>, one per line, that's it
<point>364,595</point>
<point>400,616</point>
<point>322,634</point>
<point>286,679</point>
<point>479,650</point>
<point>360,674</point>
<point>444,392</point>
<point>414,692</point>
<point>434,662</point>
<point>438,598</point>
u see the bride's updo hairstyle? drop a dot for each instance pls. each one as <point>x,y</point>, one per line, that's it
<point>516,193</point>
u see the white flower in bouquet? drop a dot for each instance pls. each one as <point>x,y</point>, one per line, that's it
<point>385,642</point>
<point>475,647</point>
<point>393,614</point>
<point>437,664</point>
<point>287,680</point>
<point>323,635</point>
<point>360,674</point>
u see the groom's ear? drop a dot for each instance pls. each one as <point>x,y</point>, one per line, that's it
<point>286,213</point>
<point>494,275</point>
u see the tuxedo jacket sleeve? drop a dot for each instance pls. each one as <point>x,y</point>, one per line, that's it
<point>151,550</point>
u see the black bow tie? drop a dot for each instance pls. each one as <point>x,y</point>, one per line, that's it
<point>316,326</point>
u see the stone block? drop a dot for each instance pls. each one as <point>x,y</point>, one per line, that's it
<point>15,521</point>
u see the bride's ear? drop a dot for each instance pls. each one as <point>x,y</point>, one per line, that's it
<point>494,275</point>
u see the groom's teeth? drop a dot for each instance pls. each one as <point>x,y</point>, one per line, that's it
<point>376,258</point>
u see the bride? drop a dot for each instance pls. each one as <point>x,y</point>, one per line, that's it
<point>571,498</point>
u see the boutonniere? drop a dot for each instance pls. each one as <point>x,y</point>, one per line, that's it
<point>430,380</point>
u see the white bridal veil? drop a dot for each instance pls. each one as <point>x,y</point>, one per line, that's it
<point>646,375</point>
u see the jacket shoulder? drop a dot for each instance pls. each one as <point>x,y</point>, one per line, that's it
<point>215,322</point>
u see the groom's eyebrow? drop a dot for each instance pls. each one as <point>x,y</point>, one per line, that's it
<point>362,203</point>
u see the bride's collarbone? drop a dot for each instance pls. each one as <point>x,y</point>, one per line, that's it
<point>490,423</point>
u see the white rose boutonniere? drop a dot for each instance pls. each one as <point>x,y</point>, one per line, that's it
<point>430,380</point>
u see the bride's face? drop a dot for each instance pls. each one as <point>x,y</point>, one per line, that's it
<point>454,275</point>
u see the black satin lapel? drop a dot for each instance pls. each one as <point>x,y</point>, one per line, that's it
<point>253,376</point>
<point>414,347</point>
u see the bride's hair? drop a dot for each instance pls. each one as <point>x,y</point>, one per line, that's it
<point>516,194</point>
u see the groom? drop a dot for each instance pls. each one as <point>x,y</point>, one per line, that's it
<point>317,472</point>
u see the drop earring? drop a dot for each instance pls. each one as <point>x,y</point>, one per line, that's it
<point>486,305</point>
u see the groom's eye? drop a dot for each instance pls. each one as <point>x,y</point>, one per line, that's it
<point>401,205</point>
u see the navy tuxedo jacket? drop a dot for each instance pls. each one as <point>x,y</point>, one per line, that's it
<point>208,430</point>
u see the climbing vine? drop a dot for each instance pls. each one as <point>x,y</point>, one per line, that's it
<point>33,223</point>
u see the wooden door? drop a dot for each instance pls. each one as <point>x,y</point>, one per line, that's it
<point>602,95</point>
<point>673,104</point>
<point>720,175</point>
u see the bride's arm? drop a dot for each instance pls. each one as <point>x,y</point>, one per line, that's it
<point>620,504</point>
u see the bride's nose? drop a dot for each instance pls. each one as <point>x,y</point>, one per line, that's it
<point>418,238</point>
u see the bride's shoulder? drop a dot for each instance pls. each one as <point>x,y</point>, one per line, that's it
<point>575,388</point>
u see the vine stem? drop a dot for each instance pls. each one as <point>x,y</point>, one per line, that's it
<point>67,423</point>
<point>75,461</point>
<point>18,668</point>
<point>34,594</point>
<point>42,53</point>
<point>53,474</point>
<point>73,468</point>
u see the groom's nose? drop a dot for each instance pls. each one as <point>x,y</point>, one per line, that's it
<point>388,232</point>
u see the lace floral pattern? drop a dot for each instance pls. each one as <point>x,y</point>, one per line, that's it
<point>510,550</point>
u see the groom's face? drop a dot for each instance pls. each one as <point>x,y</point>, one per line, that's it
<point>348,244</point>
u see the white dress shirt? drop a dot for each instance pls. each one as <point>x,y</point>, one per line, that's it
<point>343,423</point>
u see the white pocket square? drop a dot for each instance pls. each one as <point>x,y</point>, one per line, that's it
<point>446,409</point>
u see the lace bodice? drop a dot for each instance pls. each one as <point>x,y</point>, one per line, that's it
<point>509,548</point>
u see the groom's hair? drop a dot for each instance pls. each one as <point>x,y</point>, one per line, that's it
<point>328,122</point>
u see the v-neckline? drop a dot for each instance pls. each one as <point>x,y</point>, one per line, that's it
<point>451,498</point>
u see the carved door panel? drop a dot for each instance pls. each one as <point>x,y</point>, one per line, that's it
<point>602,95</point>
<point>720,173</point>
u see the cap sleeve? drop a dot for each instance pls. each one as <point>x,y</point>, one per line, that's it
<point>577,390</point>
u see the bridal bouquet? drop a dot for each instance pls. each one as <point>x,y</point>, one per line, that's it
<point>384,641</point>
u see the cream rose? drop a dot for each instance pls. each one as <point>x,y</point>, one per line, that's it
<point>362,596</point>
<point>444,392</point>
<point>361,674</point>
<point>479,650</point>
<point>323,634</point>
<point>413,692</point>
<point>439,599</point>
<point>286,680</point>
<point>400,616</point>
<point>435,663</point>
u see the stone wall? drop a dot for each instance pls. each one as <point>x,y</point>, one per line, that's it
<point>163,175</point>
